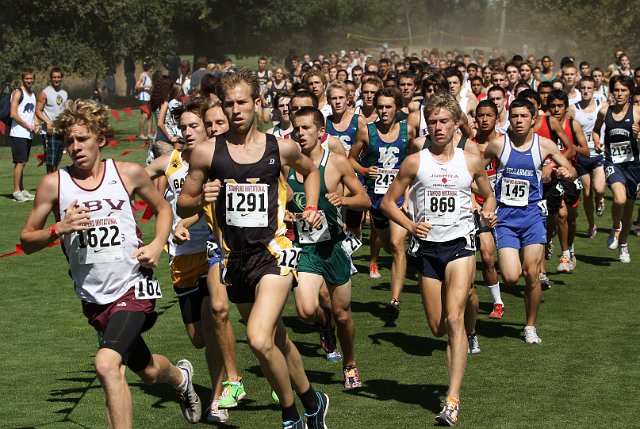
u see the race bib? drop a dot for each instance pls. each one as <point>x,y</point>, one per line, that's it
<point>289,258</point>
<point>147,288</point>
<point>514,192</point>
<point>309,235</point>
<point>351,243</point>
<point>492,181</point>
<point>247,204</point>
<point>441,206</point>
<point>383,179</point>
<point>102,243</point>
<point>621,152</point>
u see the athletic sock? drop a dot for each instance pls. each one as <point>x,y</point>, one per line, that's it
<point>182,387</point>
<point>290,413</point>
<point>566,254</point>
<point>494,290</point>
<point>309,400</point>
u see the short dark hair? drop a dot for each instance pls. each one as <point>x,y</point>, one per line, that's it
<point>529,94</point>
<point>523,102</point>
<point>624,80</point>
<point>56,70</point>
<point>389,92</point>
<point>318,118</point>
<point>487,103</point>
<point>305,93</point>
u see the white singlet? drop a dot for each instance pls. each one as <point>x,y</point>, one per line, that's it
<point>441,195</point>
<point>101,259</point>
<point>587,121</point>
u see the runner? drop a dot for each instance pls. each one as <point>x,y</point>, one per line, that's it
<point>281,115</point>
<point>439,180</point>
<point>621,158</point>
<point>323,257</point>
<point>243,167</point>
<point>381,147</point>
<point>590,168</point>
<point>521,215</point>
<point>317,83</point>
<point>112,275</point>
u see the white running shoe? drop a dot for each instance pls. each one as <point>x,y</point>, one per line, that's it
<point>573,261</point>
<point>19,197</point>
<point>189,401</point>
<point>564,266</point>
<point>624,257</point>
<point>474,346</point>
<point>27,195</point>
<point>612,241</point>
<point>216,414</point>
<point>531,336</point>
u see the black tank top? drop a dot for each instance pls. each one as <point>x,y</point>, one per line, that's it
<point>620,144</point>
<point>248,213</point>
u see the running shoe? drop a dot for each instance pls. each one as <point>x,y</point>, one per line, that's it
<point>232,394</point>
<point>474,346</point>
<point>316,420</point>
<point>393,309</point>
<point>373,271</point>
<point>564,266</point>
<point>352,377</point>
<point>592,232</point>
<point>215,414</point>
<point>548,251</point>
<point>189,401</point>
<point>600,208</point>
<point>328,339</point>
<point>531,335</point>
<point>298,424</point>
<point>544,281</point>
<point>625,258</point>
<point>27,195</point>
<point>573,261</point>
<point>449,414</point>
<point>612,241</point>
<point>498,311</point>
<point>19,197</point>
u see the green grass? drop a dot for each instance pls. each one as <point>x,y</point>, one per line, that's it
<point>584,374</point>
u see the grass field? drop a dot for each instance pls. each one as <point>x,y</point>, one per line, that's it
<point>586,373</point>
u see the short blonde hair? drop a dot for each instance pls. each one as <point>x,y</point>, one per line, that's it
<point>443,101</point>
<point>93,115</point>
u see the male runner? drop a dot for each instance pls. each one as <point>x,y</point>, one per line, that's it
<point>243,167</point>
<point>108,262</point>
<point>497,95</point>
<point>521,216</point>
<point>455,81</point>
<point>317,83</point>
<point>570,79</point>
<point>377,154</point>
<point>282,114</point>
<point>49,105</point>
<point>591,168</point>
<point>621,158</point>
<point>439,183</point>
<point>323,256</point>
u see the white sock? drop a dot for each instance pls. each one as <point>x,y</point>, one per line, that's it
<point>566,254</point>
<point>182,387</point>
<point>494,290</point>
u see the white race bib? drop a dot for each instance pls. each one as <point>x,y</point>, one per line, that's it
<point>147,288</point>
<point>442,206</point>
<point>309,235</point>
<point>247,204</point>
<point>101,243</point>
<point>351,243</point>
<point>514,192</point>
<point>383,179</point>
<point>621,152</point>
<point>289,258</point>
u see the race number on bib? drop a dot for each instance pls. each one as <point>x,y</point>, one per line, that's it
<point>384,179</point>
<point>289,258</point>
<point>621,152</point>
<point>247,204</point>
<point>442,206</point>
<point>101,243</point>
<point>514,192</point>
<point>351,243</point>
<point>148,288</point>
<point>307,234</point>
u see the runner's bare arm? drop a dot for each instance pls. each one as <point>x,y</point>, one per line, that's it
<point>581,148</point>
<point>41,101</point>
<point>361,144</point>
<point>291,155</point>
<point>358,198</point>
<point>399,186</point>
<point>34,237</point>
<point>564,170</point>
<point>564,138</point>
<point>335,146</point>
<point>196,190</point>
<point>597,127</point>
<point>483,188</point>
<point>138,183</point>
<point>158,166</point>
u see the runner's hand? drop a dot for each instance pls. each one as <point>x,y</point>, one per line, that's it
<point>148,256</point>
<point>313,218</point>
<point>76,218</point>
<point>211,191</point>
<point>490,217</point>
<point>421,230</point>
<point>181,234</point>
<point>372,172</point>
<point>334,199</point>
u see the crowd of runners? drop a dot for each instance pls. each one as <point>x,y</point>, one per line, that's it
<point>440,155</point>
